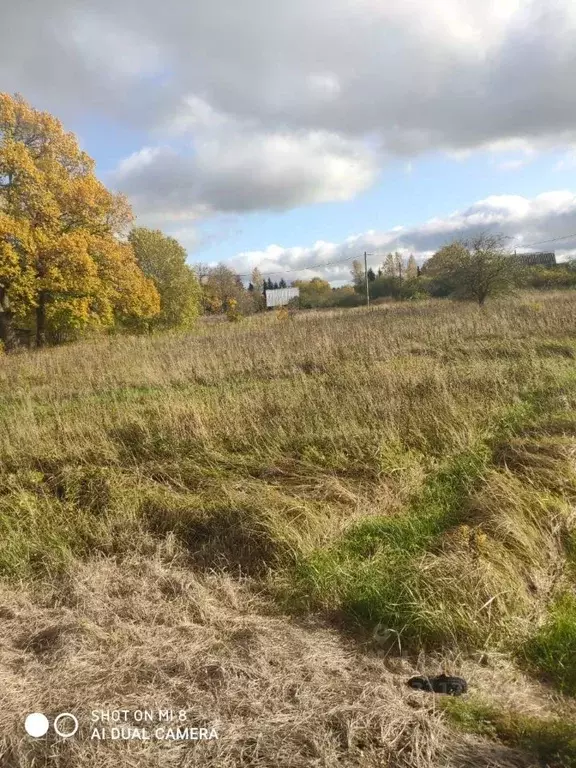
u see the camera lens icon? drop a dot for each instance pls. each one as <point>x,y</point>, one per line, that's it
<point>37,725</point>
<point>66,725</point>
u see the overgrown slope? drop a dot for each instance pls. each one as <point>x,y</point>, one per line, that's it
<point>394,488</point>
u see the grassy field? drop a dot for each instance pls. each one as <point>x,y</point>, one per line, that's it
<point>273,524</point>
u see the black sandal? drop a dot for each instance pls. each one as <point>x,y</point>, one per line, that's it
<point>452,686</point>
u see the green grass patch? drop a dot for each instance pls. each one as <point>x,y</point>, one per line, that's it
<point>48,520</point>
<point>552,650</point>
<point>552,742</point>
<point>393,572</point>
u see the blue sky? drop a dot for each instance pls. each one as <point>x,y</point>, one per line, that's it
<point>284,135</point>
<point>435,186</point>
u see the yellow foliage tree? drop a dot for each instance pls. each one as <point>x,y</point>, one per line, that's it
<point>63,262</point>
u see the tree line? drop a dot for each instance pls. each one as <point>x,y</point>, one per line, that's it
<point>474,269</point>
<point>72,262</point>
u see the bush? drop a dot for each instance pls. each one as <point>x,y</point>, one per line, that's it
<point>549,278</point>
<point>390,287</point>
<point>347,297</point>
<point>414,288</point>
<point>232,313</point>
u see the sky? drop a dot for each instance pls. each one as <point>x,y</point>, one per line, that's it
<point>293,135</point>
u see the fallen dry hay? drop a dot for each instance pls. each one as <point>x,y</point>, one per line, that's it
<point>149,634</point>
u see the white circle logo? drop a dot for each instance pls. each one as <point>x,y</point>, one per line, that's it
<point>65,734</point>
<point>36,725</point>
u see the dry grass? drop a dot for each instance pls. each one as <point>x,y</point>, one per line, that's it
<point>166,502</point>
<point>151,634</point>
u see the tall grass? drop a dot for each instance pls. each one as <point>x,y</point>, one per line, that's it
<point>349,460</point>
<point>407,471</point>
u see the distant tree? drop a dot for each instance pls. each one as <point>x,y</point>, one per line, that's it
<point>163,260</point>
<point>411,267</point>
<point>393,265</point>
<point>386,287</point>
<point>258,296</point>
<point>275,286</point>
<point>371,275</point>
<point>282,283</point>
<point>389,266</point>
<point>221,286</point>
<point>345,296</point>
<point>475,269</point>
<point>314,293</point>
<point>358,277</point>
<point>413,288</point>
<point>250,287</point>
<point>257,281</point>
<point>442,269</point>
<point>559,276</point>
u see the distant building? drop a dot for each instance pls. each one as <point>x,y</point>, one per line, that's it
<point>281,296</point>
<point>540,259</point>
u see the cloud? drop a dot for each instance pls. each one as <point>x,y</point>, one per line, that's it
<point>232,170</point>
<point>567,161</point>
<point>523,220</point>
<point>512,164</point>
<point>266,104</point>
<point>418,76</point>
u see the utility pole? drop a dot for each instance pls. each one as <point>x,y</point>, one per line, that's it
<point>366,277</point>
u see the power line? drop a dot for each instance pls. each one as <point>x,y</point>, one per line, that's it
<point>352,258</point>
<point>543,242</point>
<point>301,269</point>
<point>321,265</point>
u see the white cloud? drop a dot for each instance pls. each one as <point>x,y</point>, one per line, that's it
<point>283,104</point>
<point>513,164</point>
<point>567,162</point>
<point>233,171</point>
<point>523,220</point>
<point>105,48</point>
<point>452,74</point>
<point>324,86</point>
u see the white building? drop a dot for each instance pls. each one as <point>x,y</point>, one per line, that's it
<point>281,296</point>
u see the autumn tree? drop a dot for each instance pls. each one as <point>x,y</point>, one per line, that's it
<point>257,280</point>
<point>163,260</point>
<point>388,266</point>
<point>63,261</point>
<point>393,265</point>
<point>474,269</point>
<point>443,268</point>
<point>258,283</point>
<point>221,286</point>
<point>313,293</point>
<point>411,268</point>
<point>358,276</point>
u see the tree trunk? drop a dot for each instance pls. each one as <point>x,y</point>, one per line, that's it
<point>41,320</point>
<point>7,335</point>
